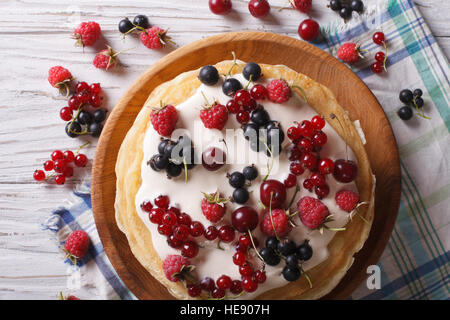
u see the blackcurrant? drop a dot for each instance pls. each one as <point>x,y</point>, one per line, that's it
<point>419,102</point>
<point>173,170</point>
<point>286,247</point>
<point>304,251</point>
<point>406,96</point>
<point>168,150</point>
<point>405,113</point>
<point>292,260</point>
<point>84,117</point>
<point>236,180</point>
<point>250,173</point>
<point>357,5</point>
<point>209,75</point>
<point>345,12</point>
<point>260,116</point>
<point>272,125</point>
<point>95,129</point>
<point>291,273</point>
<point>158,162</point>
<point>256,145</point>
<point>250,131</point>
<point>162,146</point>
<point>230,86</point>
<point>417,93</point>
<point>269,256</point>
<point>335,5</point>
<point>125,25</point>
<point>141,21</point>
<point>272,243</point>
<point>99,115</point>
<point>275,135</point>
<point>240,195</point>
<point>73,129</point>
<point>252,69</point>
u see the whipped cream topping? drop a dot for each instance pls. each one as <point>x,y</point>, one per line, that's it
<point>211,261</point>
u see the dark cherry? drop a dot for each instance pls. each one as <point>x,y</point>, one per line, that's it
<point>345,171</point>
<point>213,158</point>
<point>244,219</point>
<point>275,190</point>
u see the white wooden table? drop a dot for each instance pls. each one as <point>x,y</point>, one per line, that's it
<point>35,35</point>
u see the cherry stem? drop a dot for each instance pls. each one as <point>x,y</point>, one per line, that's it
<point>206,100</point>
<point>306,277</point>
<point>302,91</point>
<point>297,189</point>
<point>185,170</point>
<point>271,217</point>
<point>269,166</point>
<point>250,80</point>
<point>81,147</point>
<point>254,247</point>
<point>234,63</point>
<point>385,56</point>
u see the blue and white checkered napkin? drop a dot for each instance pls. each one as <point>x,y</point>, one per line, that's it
<point>415,264</point>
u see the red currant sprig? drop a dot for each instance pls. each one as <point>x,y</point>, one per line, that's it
<point>380,57</point>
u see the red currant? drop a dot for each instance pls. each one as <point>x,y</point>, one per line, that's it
<point>318,122</point>
<point>309,161</point>
<point>308,30</point>
<point>211,233</point>
<point>49,165</point>
<point>242,97</point>
<point>243,117</point>
<point>295,154</point>
<point>296,168</point>
<point>83,97</point>
<point>155,216</point>
<point>317,179</point>
<point>380,56</point>
<point>258,92</point>
<point>236,287</point>
<point>80,160</point>
<point>184,219</point>
<point>169,218</point>
<point>245,240</point>
<point>162,201</point>
<point>249,284</point>
<point>290,181</point>
<point>181,232</point>
<point>224,282</point>
<point>174,242</point>
<point>194,290</point>
<point>68,172</point>
<point>207,284</point>
<point>65,114</point>
<point>305,144</point>
<point>81,87</point>
<point>259,8</point>
<point>196,229</point>
<point>95,88</point>
<point>245,269</point>
<point>220,6</point>
<point>240,248</point>
<point>377,67</point>
<point>74,103</point>
<point>218,293</point>
<point>306,128</point>
<point>59,165</point>
<point>226,233</point>
<point>164,229</point>
<point>233,106</point>
<point>293,133</point>
<point>57,154</point>
<point>326,166</point>
<point>189,249</point>
<point>95,100</point>
<point>378,38</point>
<point>308,184</point>
<point>260,276</point>
<point>38,175</point>
<point>252,105</point>
<point>60,179</point>
<point>239,258</point>
<point>322,191</point>
<point>147,206</point>
<point>69,156</point>
<point>319,138</point>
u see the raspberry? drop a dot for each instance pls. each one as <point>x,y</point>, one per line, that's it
<point>87,33</point>
<point>174,266</point>
<point>154,37</point>
<point>349,52</point>
<point>280,222</point>
<point>347,200</point>
<point>59,77</point>
<point>211,208</point>
<point>76,245</point>
<point>164,120</point>
<point>214,117</point>
<point>278,91</point>
<point>106,58</point>
<point>312,212</point>
<point>302,5</point>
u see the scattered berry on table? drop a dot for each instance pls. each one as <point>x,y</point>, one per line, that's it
<point>220,6</point>
<point>209,75</point>
<point>278,91</point>
<point>345,12</point>
<point>77,245</point>
<point>405,113</point>
<point>379,38</point>
<point>349,52</point>
<point>259,8</point>
<point>377,67</point>
<point>357,5</point>
<point>105,59</point>
<point>38,175</point>
<point>80,160</point>
<point>406,96</point>
<point>73,129</point>
<point>308,30</point>
<point>59,77</point>
<point>164,119</point>
<point>125,25</point>
<point>141,21</point>
<point>65,113</point>
<point>380,56</point>
<point>87,33</point>
<point>335,5</point>
<point>154,37</point>
<point>312,212</point>
<point>302,5</point>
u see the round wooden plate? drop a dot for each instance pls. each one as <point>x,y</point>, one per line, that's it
<point>261,47</point>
